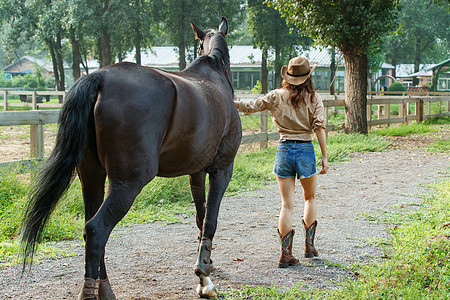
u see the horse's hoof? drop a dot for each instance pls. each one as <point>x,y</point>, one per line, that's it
<point>206,288</point>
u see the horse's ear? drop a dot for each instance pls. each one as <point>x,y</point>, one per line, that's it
<point>223,27</point>
<point>199,34</point>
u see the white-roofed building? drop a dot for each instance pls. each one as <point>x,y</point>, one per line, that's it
<point>246,65</point>
<point>405,73</point>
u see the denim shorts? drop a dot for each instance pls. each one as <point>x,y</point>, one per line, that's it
<point>295,159</point>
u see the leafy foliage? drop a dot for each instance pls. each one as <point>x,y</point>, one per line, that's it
<point>349,23</point>
<point>396,87</point>
<point>423,35</point>
<point>270,32</point>
<point>31,81</point>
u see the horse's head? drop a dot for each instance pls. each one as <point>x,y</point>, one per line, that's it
<point>207,38</point>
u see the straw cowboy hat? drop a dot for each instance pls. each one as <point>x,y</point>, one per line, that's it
<point>297,71</point>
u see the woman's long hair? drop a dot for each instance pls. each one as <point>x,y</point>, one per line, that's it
<point>299,93</point>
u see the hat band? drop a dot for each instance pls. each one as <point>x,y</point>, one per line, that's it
<point>298,75</point>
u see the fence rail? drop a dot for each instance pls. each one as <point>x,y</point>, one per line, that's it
<point>36,97</point>
<point>422,110</point>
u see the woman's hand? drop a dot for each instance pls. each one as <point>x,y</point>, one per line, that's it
<point>324,166</point>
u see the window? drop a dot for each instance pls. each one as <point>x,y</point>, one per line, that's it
<point>443,82</point>
<point>245,80</point>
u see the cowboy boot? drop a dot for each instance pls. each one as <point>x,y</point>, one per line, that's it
<point>310,232</point>
<point>286,257</point>
<point>87,290</point>
<point>104,290</point>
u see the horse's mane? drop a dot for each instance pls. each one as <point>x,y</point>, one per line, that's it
<point>220,51</point>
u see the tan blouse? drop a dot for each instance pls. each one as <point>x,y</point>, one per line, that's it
<point>292,124</point>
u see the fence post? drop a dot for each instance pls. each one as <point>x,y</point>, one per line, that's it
<point>387,112</point>
<point>419,109</point>
<point>404,110</point>
<point>264,129</point>
<point>325,107</point>
<point>37,141</point>
<point>369,112</point>
<point>33,100</point>
<point>380,111</point>
<point>401,107</point>
<point>5,100</point>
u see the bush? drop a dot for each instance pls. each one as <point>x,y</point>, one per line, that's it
<point>257,89</point>
<point>30,81</point>
<point>396,87</point>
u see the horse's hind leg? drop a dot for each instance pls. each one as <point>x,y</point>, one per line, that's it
<point>92,176</point>
<point>197,182</point>
<point>119,200</point>
<point>218,183</point>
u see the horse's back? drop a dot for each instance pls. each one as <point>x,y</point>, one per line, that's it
<point>204,114</point>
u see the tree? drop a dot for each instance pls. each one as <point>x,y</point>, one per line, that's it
<point>270,32</point>
<point>42,19</point>
<point>394,50</point>
<point>180,12</point>
<point>424,36</point>
<point>352,26</point>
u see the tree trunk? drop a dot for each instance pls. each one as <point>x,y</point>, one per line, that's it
<point>277,67</point>
<point>100,51</point>
<point>332,70</point>
<point>182,43</point>
<point>51,49</point>
<point>264,73</point>
<point>106,48</point>
<point>105,39</point>
<point>137,46</point>
<point>355,92</point>
<point>415,81</point>
<point>182,50</point>
<point>76,55</point>
<point>138,36</point>
<point>60,63</point>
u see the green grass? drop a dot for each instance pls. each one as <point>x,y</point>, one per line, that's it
<point>253,122</point>
<point>339,146</point>
<point>417,264</point>
<point>439,146</point>
<point>405,130</point>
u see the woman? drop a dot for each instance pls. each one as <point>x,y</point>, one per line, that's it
<point>297,112</point>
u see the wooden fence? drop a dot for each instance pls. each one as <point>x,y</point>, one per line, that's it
<point>31,97</point>
<point>36,119</point>
<point>382,113</point>
<point>333,105</point>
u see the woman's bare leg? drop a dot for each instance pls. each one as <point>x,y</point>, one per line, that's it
<point>287,192</point>
<point>309,194</point>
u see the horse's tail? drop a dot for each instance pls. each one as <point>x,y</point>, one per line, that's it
<point>57,173</point>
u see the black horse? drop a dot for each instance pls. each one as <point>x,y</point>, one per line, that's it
<point>132,123</point>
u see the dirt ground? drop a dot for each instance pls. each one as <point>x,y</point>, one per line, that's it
<point>155,260</point>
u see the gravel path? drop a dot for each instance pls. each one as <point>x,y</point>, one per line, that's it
<point>155,261</point>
